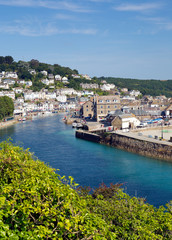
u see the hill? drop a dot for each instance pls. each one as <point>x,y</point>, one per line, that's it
<point>37,203</point>
<point>146,87</point>
<point>23,70</point>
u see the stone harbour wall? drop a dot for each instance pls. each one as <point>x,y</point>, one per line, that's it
<point>149,148</point>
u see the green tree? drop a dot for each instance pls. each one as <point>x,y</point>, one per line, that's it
<point>9,60</point>
<point>34,64</point>
<point>6,107</point>
<point>2,60</point>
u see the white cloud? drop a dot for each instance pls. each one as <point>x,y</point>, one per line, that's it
<point>162,23</point>
<point>64,17</point>
<point>51,4</point>
<point>138,7</point>
<point>36,28</point>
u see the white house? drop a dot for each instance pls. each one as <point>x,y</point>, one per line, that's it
<point>51,81</point>
<point>107,87</point>
<point>18,90</point>
<point>65,80</point>
<point>67,91</point>
<point>61,98</point>
<point>135,93</point>
<point>76,76</point>
<point>58,77</point>
<point>45,81</point>
<point>11,75</point>
<point>129,98</point>
<point>50,95</point>
<point>32,71</point>
<point>88,92</point>
<point>21,81</point>
<point>29,95</point>
<point>10,94</point>
<point>45,73</point>
<point>9,81</point>
<point>4,86</point>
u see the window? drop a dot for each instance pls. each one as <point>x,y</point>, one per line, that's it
<point>100,101</point>
<point>107,100</point>
<point>101,111</point>
<point>101,106</point>
<point>115,106</point>
<point>108,106</point>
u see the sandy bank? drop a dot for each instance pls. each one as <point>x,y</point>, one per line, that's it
<point>8,123</point>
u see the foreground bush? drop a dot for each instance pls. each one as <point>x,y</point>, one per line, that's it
<point>37,203</point>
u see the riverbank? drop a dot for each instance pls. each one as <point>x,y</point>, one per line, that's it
<point>8,123</point>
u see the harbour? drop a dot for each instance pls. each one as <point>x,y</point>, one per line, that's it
<point>90,163</point>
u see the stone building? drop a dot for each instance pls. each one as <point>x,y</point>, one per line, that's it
<point>88,109</point>
<point>105,104</point>
<point>125,121</point>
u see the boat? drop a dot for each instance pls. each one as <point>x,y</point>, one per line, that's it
<point>22,119</point>
<point>74,124</point>
<point>79,125</point>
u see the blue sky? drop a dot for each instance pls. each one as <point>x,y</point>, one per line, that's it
<point>115,38</point>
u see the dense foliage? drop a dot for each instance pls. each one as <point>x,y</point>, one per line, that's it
<point>21,67</point>
<point>37,203</point>
<point>146,87</point>
<point>6,107</point>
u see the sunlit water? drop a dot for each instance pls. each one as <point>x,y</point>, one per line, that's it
<point>90,163</point>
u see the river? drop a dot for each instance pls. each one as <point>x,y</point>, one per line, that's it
<point>90,163</point>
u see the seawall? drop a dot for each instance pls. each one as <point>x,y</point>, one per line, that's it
<point>136,144</point>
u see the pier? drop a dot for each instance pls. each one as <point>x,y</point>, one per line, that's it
<point>135,142</point>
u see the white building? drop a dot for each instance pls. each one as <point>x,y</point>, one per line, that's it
<point>4,86</point>
<point>45,81</point>
<point>107,87</point>
<point>11,75</point>
<point>58,77</point>
<point>45,73</point>
<point>50,95</point>
<point>9,81</point>
<point>18,90</point>
<point>10,94</point>
<point>67,91</point>
<point>135,93</point>
<point>21,81</point>
<point>65,80</point>
<point>62,98</point>
<point>129,98</point>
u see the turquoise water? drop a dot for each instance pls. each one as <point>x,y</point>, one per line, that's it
<point>90,163</point>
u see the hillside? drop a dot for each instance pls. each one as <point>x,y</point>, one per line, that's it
<point>37,203</point>
<point>23,70</point>
<point>146,87</point>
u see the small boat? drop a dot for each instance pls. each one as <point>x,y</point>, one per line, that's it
<point>74,124</point>
<point>22,119</point>
<point>79,125</point>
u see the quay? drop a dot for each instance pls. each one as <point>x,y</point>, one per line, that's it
<point>133,141</point>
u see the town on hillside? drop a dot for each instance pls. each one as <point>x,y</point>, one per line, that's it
<point>37,88</point>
